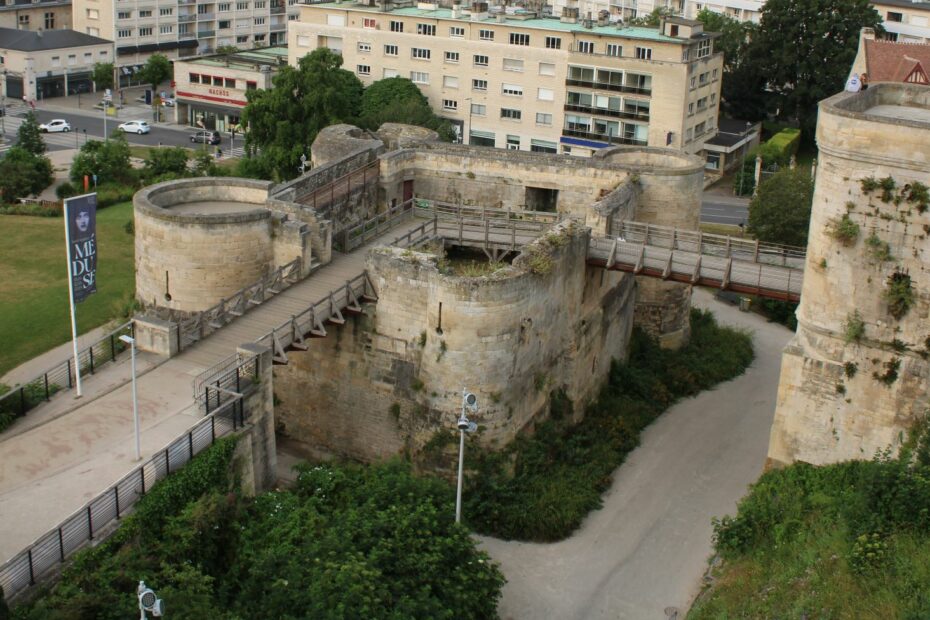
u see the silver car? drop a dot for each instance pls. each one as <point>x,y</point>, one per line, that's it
<point>139,127</point>
<point>58,124</point>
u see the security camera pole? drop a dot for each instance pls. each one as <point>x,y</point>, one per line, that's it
<point>470,402</point>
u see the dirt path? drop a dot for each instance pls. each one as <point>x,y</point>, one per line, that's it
<point>646,549</point>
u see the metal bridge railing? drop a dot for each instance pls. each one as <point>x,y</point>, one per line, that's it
<point>53,548</point>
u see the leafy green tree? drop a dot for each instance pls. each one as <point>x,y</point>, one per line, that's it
<point>743,86</point>
<point>781,210</point>
<point>103,75</point>
<point>23,173</point>
<point>205,164</point>
<point>156,70</point>
<point>29,137</point>
<point>165,161</point>
<point>284,120</point>
<point>652,19</point>
<point>804,49</point>
<point>227,49</point>
<point>398,100</point>
<point>108,160</point>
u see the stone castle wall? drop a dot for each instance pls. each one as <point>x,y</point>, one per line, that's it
<point>840,398</point>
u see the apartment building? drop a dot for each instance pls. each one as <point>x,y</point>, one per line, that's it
<point>515,80</point>
<point>618,10</point>
<point>178,28</point>
<point>905,21</point>
<point>210,90</point>
<point>35,15</point>
<point>741,10</point>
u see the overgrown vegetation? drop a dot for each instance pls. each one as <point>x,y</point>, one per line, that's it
<point>878,249</point>
<point>347,542</point>
<point>898,294</point>
<point>541,487</point>
<point>844,230</point>
<point>848,540</point>
<point>854,328</point>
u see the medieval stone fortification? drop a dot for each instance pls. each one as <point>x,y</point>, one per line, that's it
<point>391,376</point>
<point>854,378</point>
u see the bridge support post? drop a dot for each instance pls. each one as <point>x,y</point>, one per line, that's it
<point>257,447</point>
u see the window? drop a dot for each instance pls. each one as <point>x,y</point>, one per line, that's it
<point>450,104</point>
<point>49,21</point>
<point>702,79</point>
<point>643,53</point>
<point>72,59</point>
<point>543,119</point>
<point>242,6</point>
<point>545,94</point>
<point>479,109</point>
<point>513,143</point>
<point>250,85</point>
<point>427,29</point>
<point>546,68</point>
<point>693,82</point>
<point>223,24</point>
<point>103,53</point>
<point>419,52</point>
<point>56,60</point>
<point>690,108</point>
<point>486,35</point>
<point>689,135</point>
<point>364,47</point>
<point>479,84</point>
<point>514,90</point>
<point>397,26</point>
<point>144,14</point>
<point>23,20</point>
<point>517,38</point>
<point>419,77</point>
<point>193,78</point>
<point>542,146</point>
<point>222,7</point>
<point>586,47</point>
<point>122,15</point>
<point>217,80</point>
<point>88,57</point>
<point>363,69</point>
<point>261,37</point>
<point>702,104</point>
<point>229,83</point>
<point>481,61</point>
<point>512,64</point>
<point>452,57</point>
<point>714,74</point>
<point>713,98</point>
<point>302,40</point>
<point>389,73</point>
<point>93,14</point>
<point>699,128</point>
<point>450,81</point>
<point>259,21</point>
<point>165,12</point>
<point>456,31</point>
<point>390,50</point>
<point>511,113</point>
<point>243,38</point>
<point>673,31</point>
<point>613,49</point>
<point>292,17</point>
<point>369,22</point>
<point>703,49</point>
<point>553,43</point>
<point>94,32</point>
<point>125,33</point>
<point>260,4</point>
<point>165,29</point>
<point>202,9</point>
<point>894,17</point>
<point>331,20</point>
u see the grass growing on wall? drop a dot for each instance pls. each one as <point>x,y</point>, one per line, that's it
<point>34,287</point>
<point>844,541</point>
<point>559,472</point>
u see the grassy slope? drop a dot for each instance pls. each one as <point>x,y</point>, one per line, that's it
<point>34,286</point>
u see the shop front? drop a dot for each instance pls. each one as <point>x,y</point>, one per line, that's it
<point>208,116</point>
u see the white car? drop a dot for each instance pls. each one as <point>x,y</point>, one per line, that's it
<point>58,124</point>
<point>139,127</point>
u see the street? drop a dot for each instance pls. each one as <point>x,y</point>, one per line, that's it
<point>718,209</point>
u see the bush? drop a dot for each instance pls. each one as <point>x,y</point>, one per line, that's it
<point>111,194</point>
<point>844,230</point>
<point>854,328</point>
<point>66,190</point>
<point>559,473</point>
<point>878,249</point>
<point>780,147</point>
<point>898,294</point>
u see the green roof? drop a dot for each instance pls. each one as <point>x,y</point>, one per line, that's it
<point>551,24</point>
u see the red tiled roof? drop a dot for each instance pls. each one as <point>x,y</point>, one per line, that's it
<point>890,61</point>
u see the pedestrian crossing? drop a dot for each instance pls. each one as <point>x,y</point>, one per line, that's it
<point>10,125</point>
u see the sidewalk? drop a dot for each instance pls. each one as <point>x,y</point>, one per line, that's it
<point>84,104</point>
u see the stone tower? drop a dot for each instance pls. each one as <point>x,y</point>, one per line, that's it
<point>854,378</point>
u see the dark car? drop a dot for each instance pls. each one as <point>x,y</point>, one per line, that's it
<point>206,137</point>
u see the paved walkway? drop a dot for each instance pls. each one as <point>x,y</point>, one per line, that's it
<point>647,548</point>
<point>50,471</point>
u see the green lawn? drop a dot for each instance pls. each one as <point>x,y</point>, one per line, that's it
<point>34,286</point>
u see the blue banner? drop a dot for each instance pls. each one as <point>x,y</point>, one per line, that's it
<point>81,215</point>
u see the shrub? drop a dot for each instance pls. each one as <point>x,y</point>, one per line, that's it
<point>850,369</point>
<point>890,375</point>
<point>879,250</point>
<point>919,194</point>
<point>66,190</point>
<point>111,194</point>
<point>869,185</point>
<point>898,294</point>
<point>854,328</point>
<point>887,185</point>
<point>844,230</point>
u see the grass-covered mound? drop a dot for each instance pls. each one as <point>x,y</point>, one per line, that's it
<point>347,542</point>
<point>844,541</point>
<point>558,474</point>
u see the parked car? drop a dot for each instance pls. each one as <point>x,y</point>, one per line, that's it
<point>139,127</point>
<point>206,137</point>
<point>58,124</point>
<point>168,102</point>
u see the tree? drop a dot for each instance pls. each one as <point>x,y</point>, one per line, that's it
<point>23,173</point>
<point>171,161</point>
<point>283,121</point>
<point>108,160</point>
<point>227,49</point>
<point>652,19</point>
<point>398,100</point>
<point>805,48</point>
<point>103,75</point>
<point>29,137</point>
<point>781,210</point>
<point>743,86</point>
<point>156,70</point>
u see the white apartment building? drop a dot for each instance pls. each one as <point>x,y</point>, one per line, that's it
<point>518,81</point>
<point>905,21</point>
<point>35,15</point>
<point>178,28</point>
<point>619,9</point>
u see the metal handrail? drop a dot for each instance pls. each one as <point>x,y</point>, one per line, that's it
<point>26,396</point>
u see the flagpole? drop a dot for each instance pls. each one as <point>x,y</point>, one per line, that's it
<point>74,341</point>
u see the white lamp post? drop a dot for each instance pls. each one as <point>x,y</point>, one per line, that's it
<point>469,402</point>
<point>135,403</point>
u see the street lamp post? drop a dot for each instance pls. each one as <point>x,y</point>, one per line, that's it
<point>466,139</point>
<point>470,403</point>
<point>135,402</point>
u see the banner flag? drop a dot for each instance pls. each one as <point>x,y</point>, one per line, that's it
<point>81,216</point>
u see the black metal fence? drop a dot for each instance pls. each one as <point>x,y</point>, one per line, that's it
<point>217,390</point>
<point>54,547</point>
<point>20,399</point>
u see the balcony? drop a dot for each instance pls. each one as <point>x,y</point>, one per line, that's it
<point>206,17</point>
<point>587,135</point>
<point>278,9</point>
<point>186,2</point>
<point>183,19</point>
<point>637,116</point>
<point>279,27</point>
<point>618,88</point>
<point>206,34</point>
